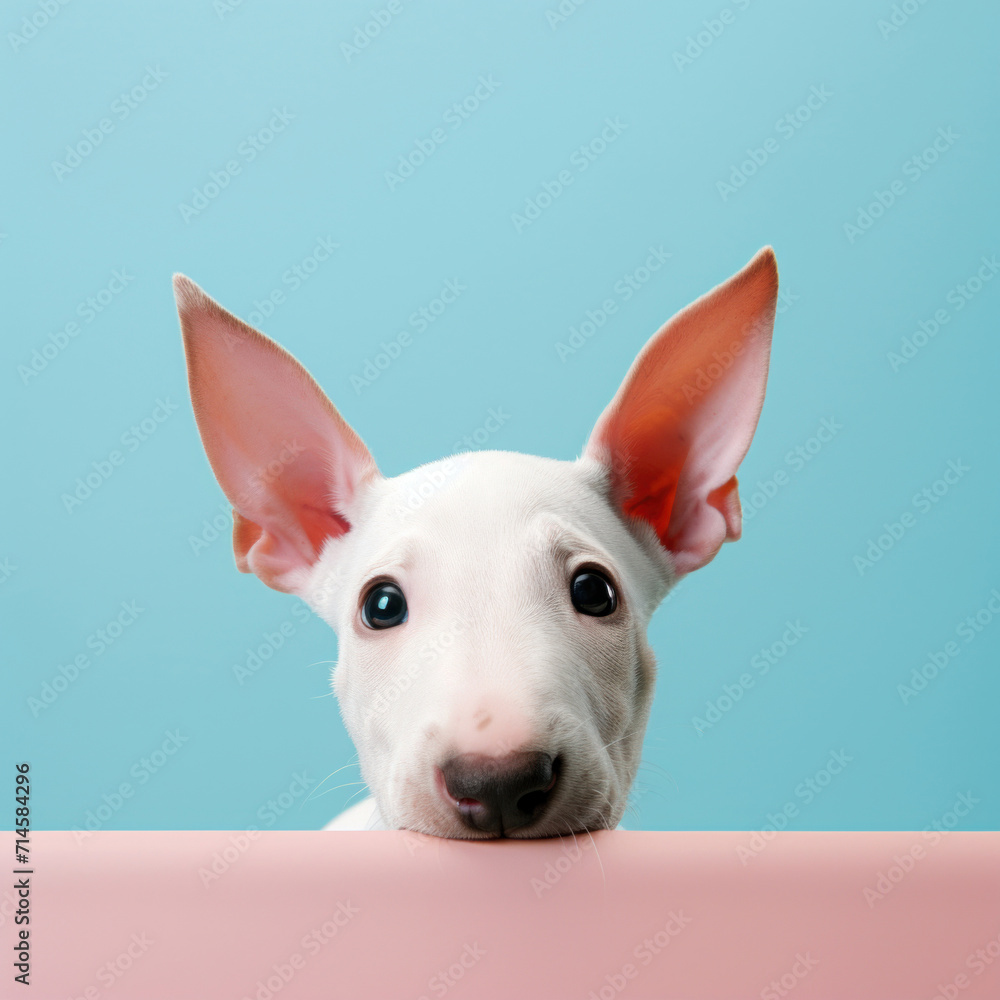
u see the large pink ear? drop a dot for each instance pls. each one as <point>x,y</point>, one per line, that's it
<point>285,458</point>
<point>679,426</point>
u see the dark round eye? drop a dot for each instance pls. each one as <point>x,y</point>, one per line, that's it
<point>593,594</point>
<point>384,606</point>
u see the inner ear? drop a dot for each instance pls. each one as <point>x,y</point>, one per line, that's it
<point>682,421</point>
<point>285,458</point>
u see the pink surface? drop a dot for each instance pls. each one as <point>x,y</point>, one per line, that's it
<point>373,915</point>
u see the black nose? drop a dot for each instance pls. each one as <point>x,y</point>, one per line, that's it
<point>500,794</point>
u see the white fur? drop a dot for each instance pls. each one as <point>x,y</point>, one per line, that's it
<point>493,656</point>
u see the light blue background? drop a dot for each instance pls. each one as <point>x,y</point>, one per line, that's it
<point>847,304</point>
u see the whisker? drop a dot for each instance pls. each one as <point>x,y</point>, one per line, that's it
<point>656,767</point>
<point>572,833</point>
<point>374,819</point>
<point>604,796</point>
<point>604,878</point>
<point>620,738</point>
<point>579,725</point>
<point>350,763</point>
<point>346,784</point>
<point>365,784</point>
<point>649,790</point>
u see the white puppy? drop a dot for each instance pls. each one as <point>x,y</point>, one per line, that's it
<point>492,607</point>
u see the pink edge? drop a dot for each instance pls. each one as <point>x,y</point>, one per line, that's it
<point>285,915</point>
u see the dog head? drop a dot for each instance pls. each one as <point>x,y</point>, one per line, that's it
<point>491,608</point>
